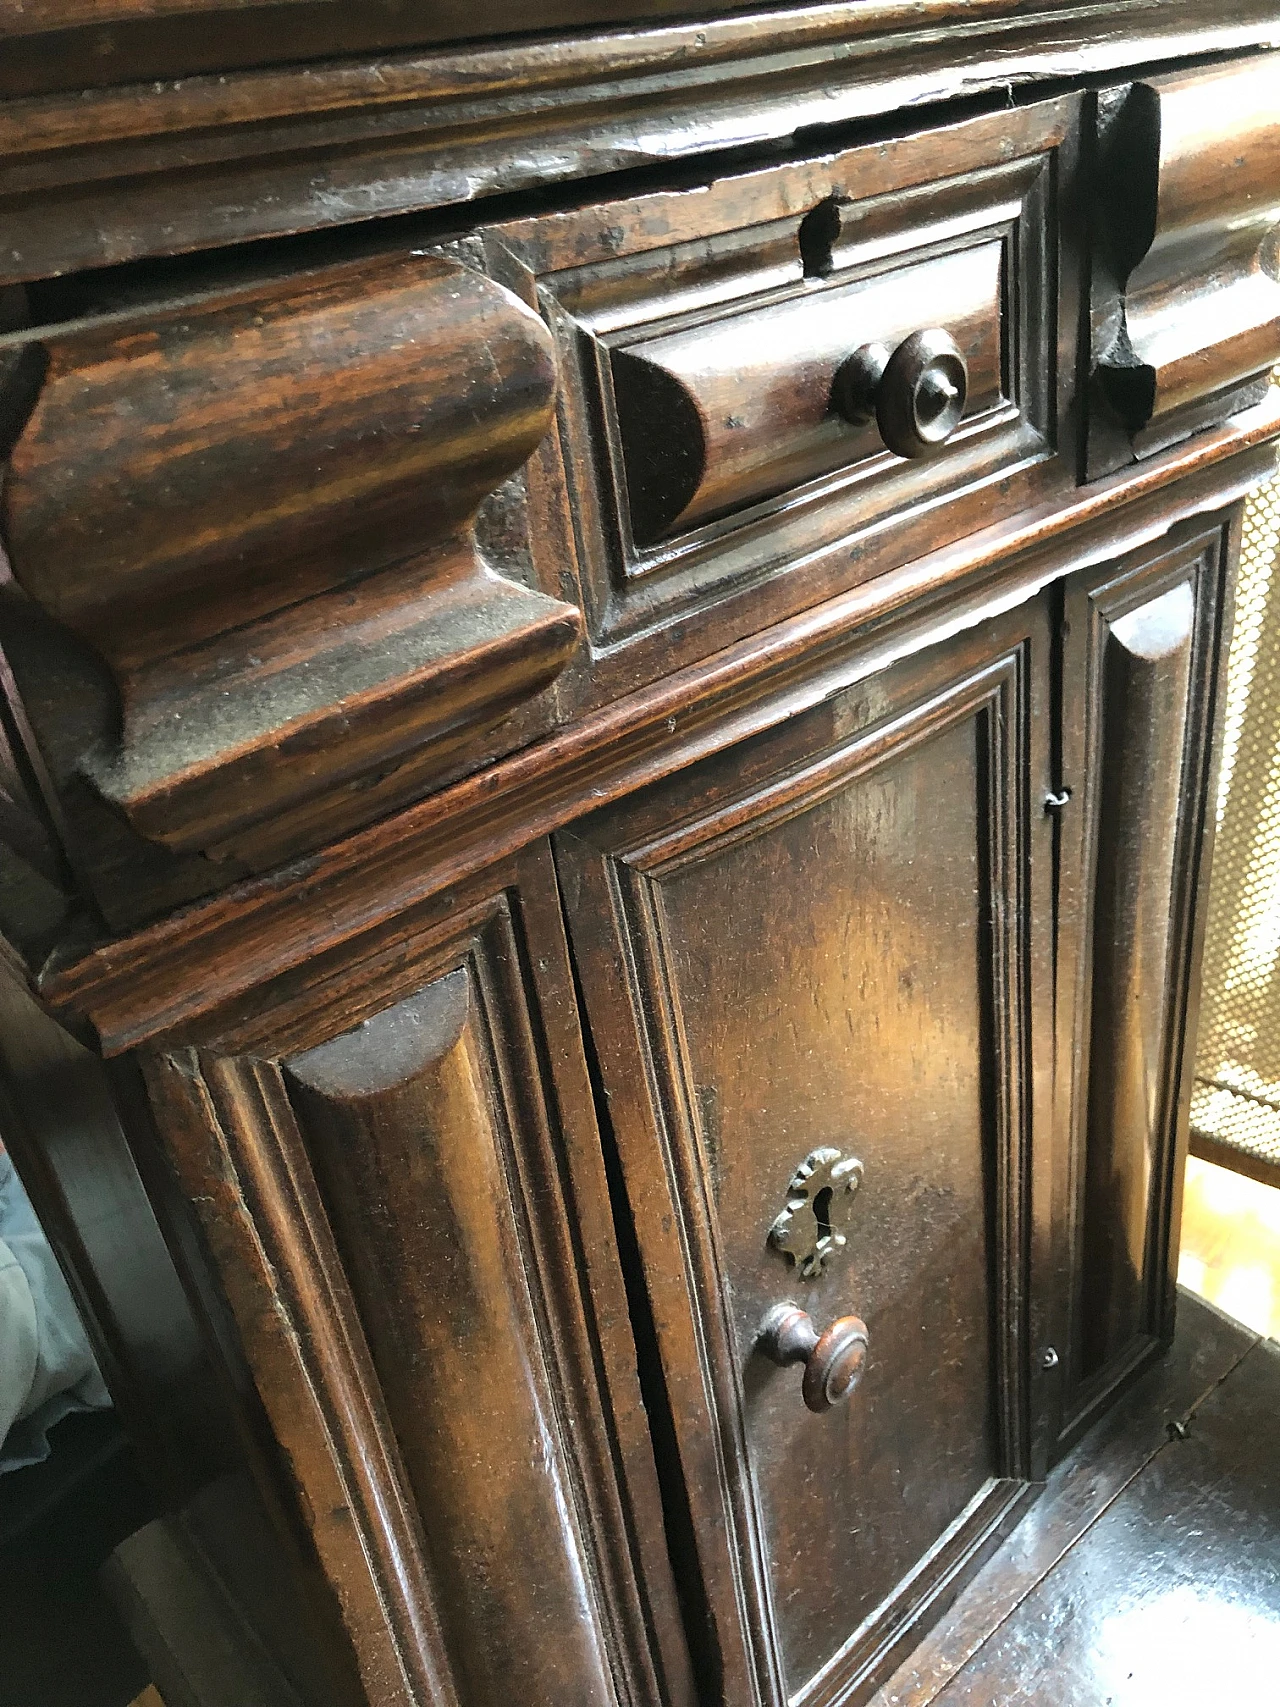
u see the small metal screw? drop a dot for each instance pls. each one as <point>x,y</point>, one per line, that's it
<point>1048,1358</point>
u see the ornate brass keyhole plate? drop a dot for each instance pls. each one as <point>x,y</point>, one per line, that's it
<point>811,1227</point>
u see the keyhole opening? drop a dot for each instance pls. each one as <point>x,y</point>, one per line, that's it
<point>822,1212</point>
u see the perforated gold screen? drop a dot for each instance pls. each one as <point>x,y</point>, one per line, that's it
<point>1235,1107</point>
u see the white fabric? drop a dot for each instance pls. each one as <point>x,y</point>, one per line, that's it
<point>19,1340</point>
<point>47,1367</point>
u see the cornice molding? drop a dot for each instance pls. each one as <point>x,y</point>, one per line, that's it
<point>175,165</point>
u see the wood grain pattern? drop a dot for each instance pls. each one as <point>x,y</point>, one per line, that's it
<point>877,765</point>
<point>881,1003</point>
<point>731,411</point>
<point>1192,1541</point>
<point>179,164</point>
<point>417,1252</point>
<point>258,511</point>
<point>707,472</point>
<point>161,979</point>
<point>1187,313</point>
<point>233,1137</point>
<point>1206,1350</point>
<point>1143,643</point>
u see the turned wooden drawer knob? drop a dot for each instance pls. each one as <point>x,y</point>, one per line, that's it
<point>917,394</point>
<point>833,1360</point>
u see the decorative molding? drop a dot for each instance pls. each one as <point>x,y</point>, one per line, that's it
<point>659,1049</point>
<point>175,162</point>
<point>258,510</point>
<point>1145,649</point>
<point>393,1163</point>
<point>128,992</point>
<point>240,1156</point>
<point>1187,302</point>
<point>701,336</point>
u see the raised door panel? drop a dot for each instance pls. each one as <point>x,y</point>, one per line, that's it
<point>1141,653</point>
<point>400,1176</point>
<point>812,975</point>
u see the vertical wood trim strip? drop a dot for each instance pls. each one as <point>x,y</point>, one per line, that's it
<point>240,1155</point>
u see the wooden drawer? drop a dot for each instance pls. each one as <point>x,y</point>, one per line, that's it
<point>779,383</point>
<point>815,973</point>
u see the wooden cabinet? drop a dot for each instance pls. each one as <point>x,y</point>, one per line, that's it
<point>606,749</point>
<point>413,1227</point>
<point>816,973</point>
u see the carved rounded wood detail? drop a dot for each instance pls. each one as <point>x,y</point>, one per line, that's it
<point>259,512</point>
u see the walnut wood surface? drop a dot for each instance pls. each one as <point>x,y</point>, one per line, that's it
<point>721,414</point>
<point>1191,226</point>
<point>705,473</point>
<point>1142,649</point>
<point>411,1222</point>
<point>258,511</point>
<point>1207,1350</point>
<point>164,978</point>
<point>891,847</point>
<point>164,167</point>
<point>867,809</point>
<point>1155,1600</point>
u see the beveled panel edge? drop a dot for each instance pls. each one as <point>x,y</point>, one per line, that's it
<point>238,942</point>
<point>258,513</point>
<point>249,154</point>
<point>280,1266</point>
<point>1199,552</point>
<point>234,1140</point>
<point>609,278</point>
<point>714,1446</point>
<point>1186,298</point>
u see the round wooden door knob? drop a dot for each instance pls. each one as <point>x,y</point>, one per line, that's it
<point>917,393</point>
<point>833,1360</point>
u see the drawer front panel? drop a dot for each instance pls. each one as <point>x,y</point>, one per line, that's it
<point>732,420</point>
<point>716,416</point>
<point>821,951</point>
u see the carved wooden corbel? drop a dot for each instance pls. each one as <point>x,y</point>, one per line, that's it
<point>259,511</point>
<point>1187,292</point>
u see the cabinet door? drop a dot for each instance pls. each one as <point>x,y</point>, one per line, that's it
<point>395,1159</point>
<point>814,977</point>
<point>1140,655</point>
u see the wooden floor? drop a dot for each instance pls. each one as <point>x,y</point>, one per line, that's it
<point>1148,1573</point>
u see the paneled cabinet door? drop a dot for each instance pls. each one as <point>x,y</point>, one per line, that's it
<point>1141,652</point>
<point>396,1162</point>
<point>815,974</point>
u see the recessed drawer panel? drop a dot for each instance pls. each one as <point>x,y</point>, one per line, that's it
<point>780,383</point>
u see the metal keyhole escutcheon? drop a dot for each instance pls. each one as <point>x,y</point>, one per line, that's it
<point>810,1228</point>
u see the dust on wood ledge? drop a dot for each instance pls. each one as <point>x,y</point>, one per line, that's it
<point>259,513</point>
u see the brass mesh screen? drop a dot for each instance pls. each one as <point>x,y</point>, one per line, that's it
<point>1235,1103</point>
